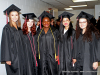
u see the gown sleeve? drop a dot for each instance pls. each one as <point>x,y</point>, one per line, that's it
<point>5,45</point>
<point>95,48</point>
<point>98,52</point>
<point>74,52</point>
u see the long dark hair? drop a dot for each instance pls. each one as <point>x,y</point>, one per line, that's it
<point>88,33</point>
<point>61,30</point>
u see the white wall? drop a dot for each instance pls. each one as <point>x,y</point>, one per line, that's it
<point>76,12</point>
<point>27,6</point>
<point>97,11</point>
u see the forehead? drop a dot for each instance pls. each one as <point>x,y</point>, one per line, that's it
<point>65,18</point>
<point>31,20</point>
<point>82,19</point>
<point>46,18</point>
<point>13,12</point>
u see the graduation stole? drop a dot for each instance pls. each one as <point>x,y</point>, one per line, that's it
<point>34,52</point>
<point>71,43</point>
<point>53,38</point>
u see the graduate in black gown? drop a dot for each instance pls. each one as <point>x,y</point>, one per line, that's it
<point>47,42</point>
<point>98,24</point>
<point>58,23</point>
<point>29,44</point>
<point>53,22</point>
<point>66,42</point>
<point>86,45</point>
<point>11,43</point>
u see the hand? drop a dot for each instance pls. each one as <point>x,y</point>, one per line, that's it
<point>57,58</point>
<point>8,62</point>
<point>74,61</point>
<point>95,65</point>
<point>38,23</point>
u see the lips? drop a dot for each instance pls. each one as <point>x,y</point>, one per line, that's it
<point>66,24</point>
<point>46,25</point>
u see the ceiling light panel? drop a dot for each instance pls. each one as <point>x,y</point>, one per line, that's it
<point>79,6</point>
<point>83,0</point>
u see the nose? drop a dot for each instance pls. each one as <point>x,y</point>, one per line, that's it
<point>46,22</point>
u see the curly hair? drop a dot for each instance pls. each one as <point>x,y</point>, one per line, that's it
<point>88,33</point>
<point>25,28</point>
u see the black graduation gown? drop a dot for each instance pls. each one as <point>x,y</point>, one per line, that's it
<point>30,61</point>
<point>12,50</point>
<point>98,50</point>
<point>98,25</point>
<point>47,64</point>
<point>65,54</point>
<point>85,54</point>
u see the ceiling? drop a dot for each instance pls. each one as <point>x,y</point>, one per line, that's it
<point>61,4</point>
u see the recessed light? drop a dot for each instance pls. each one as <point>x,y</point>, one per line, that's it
<point>68,8</point>
<point>79,6</point>
<point>83,0</point>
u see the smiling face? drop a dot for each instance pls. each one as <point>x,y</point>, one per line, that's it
<point>66,22</point>
<point>46,22</point>
<point>30,23</point>
<point>82,23</point>
<point>14,16</point>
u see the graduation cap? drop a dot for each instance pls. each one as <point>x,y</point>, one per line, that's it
<point>9,9</point>
<point>52,17</point>
<point>99,16</point>
<point>58,19</point>
<point>84,15</point>
<point>65,14</point>
<point>29,15</point>
<point>44,14</point>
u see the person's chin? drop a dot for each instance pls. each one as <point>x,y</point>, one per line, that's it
<point>14,20</point>
<point>66,25</point>
<point>83,27</point>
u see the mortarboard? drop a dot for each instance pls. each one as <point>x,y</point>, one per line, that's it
<point>84,15</point>
<point>11,8</point>
<point>52,17</point>
<point>29,15</point>
<point>65,14</point>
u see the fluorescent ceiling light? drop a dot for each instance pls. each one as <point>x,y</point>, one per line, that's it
<point>79,6</point>
<point>68,8</point>
<point>83,0</point>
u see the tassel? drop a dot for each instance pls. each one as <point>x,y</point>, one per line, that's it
<point>58,62</point>
<point>58,56</point>
<point>6,18</point>
<point>55,55</point>
<point>71,43</point>
<point>61,18</point>
<point>39,56</point>
<point>40,23</point>
<point>36,64</point>
<point>25,19</point>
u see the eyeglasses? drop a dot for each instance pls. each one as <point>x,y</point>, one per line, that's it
<point>83,22</point>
